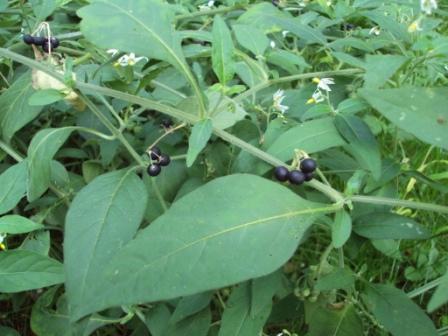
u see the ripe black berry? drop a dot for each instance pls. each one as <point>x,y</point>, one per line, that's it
<point>155,153</point>
<point>296,177</point>
<point>309,176</point>
<point>39,40</point>
<point>164,160</point>
<point>281,173</point>
<point>308,165</point>
<point>167,123</point>
<point>154,170</point>
<point>54,42</point>
<point>46,46</point>
<point>28,39</point>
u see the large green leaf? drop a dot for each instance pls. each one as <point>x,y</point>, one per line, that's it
<point>22,270</point>
<point>13,182</point>
<point>420,111</point>
<point>332,321</point>
<point>341,228</point>
<point>222,51</point>
<point>251,38</point>
<point>386,225</point>
<point>102,218</point>
<point>15,111</point>
<point>199,242</point>
<point>361,142</point>
<point>379,68</point>
<point>312,136</point>
<point>397,313</point>
<point>15,224</point>
<point>43,147</point>
<point>143,27</point>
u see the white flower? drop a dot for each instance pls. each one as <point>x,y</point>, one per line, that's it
<point>278,98</point>
<point>272,44</point>
<point>209,5</point>
<point>375,31</point>
<point>2,238</point>
<point>285,32</point>
<point>428,6</point>
<point>324,83</point>
<point>414,26</point>
<point>317,97</point>
<point>112,52</point>
<point>130,59</point>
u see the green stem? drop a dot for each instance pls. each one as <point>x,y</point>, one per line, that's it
<point>286,79</point>
<point>423,289</point>
<point>208,12</point>
<point>397,202</point>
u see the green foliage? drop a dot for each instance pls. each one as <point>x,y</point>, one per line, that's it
<point>215,245</point>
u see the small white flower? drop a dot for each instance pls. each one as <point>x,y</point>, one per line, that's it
<point>112,52</point>
<point>317,97</point>
<point>211,3</point>
<point>278,98</point>
<point>375,31</point>
<point>285,32</point>
<point>2,238</point>
<point>207,6</point>
<point>130,59</point>
<point>427,6</point>
<point>324,83</point>
<point>272,44</point>
<point>415,26</point>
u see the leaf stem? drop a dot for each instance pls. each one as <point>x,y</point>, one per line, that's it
<point>397,202</point>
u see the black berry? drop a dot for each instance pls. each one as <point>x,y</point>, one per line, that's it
<point>164,160</point>
<point>308,165</point>
<point>46,46</point>
<point>154,170</point>
<point>155,153</point>
<point>28,39</point>
<point>39,40</point>
<point>54,42</point>
<point>281,173</point>
<point>309,176</point>
<point>275,2</point>
<point>296,177</point>
<point>167,123</point>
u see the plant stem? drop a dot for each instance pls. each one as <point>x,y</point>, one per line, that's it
<point>397,202</point>
<point>207,12</point>
<point>286,79</point>
<point>423,289</point>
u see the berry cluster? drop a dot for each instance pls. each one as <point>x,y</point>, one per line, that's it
<point>158,160</point>
<point>45,42</point>
<point>305,174</point>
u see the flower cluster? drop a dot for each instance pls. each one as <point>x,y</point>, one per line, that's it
<point>126,60</point>
<point>323,84</point>
<point>278,99</point>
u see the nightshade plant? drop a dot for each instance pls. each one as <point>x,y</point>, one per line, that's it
<point>145,159</point>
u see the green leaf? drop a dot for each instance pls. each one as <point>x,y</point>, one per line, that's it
<point>361,142</point>
<point>13,182</point>
<point>397,313</point>
<point>200,134</point>
<point>385,225</point>
<point>144,28</point>
<point>334,321</point>
<point>45,97</point>
<point>190,305</point>
<point>302,31</point>
<point>197,325</point>
<point>198,243</point>
<point>339,278</point>
<point>440,296</point>
<point>237,320</point>
<point>44,8</point>
<point>263,290</point>
<point>22,270</point>
<point>38,241</point>
<point>341,228</point>
<point>226,111</point>
<point>43,147</point>
<point>311,136</point>
<point>251,38</point>
<point>379,68</point>
<point>46,321</point>
<point>15,224</point>
<point>6,331</point>
<point>222,51</point>
<point>15,111</point>
<point>420,111</point>
<point>103,217</point>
